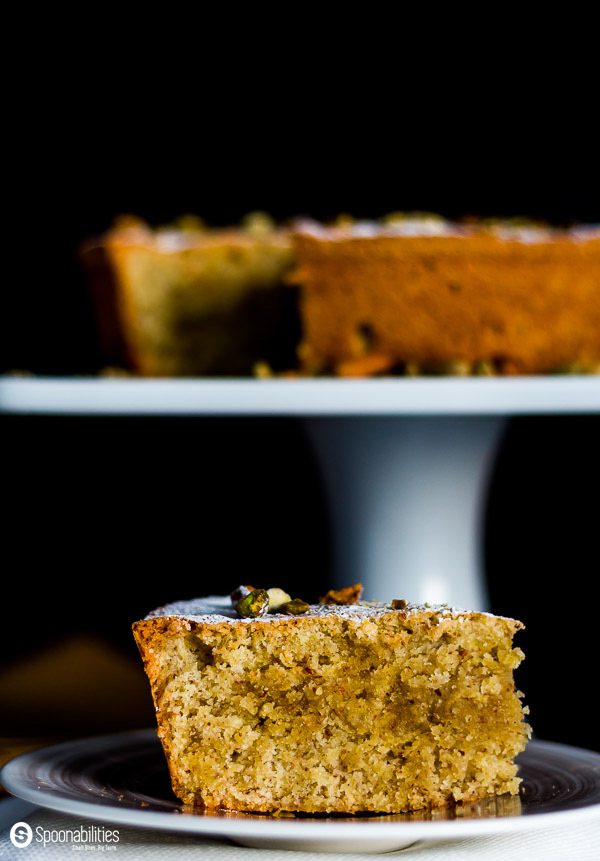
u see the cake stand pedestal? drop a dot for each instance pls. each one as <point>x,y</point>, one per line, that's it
<point>406,462</point>
<point>407,501</point>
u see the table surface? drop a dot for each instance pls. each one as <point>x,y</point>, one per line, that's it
<point>301,397</point>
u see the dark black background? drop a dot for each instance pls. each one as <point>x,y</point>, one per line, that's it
<point>110,517</point>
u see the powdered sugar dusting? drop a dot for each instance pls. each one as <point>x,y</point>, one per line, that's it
<point>435,226</point>
<point>218,608</point>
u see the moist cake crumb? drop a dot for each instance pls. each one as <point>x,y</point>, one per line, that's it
<point>343,709</point>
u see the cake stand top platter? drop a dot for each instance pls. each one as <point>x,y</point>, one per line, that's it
<point>301,397</point>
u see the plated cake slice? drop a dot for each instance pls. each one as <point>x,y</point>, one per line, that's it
<point>331,708</point>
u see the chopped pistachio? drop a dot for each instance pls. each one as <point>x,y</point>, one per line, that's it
<point>456,368</point>
<point>254,604</point>
<point>344,220</point>
<point>399,604</point>
<point>393,218</point>
<point>277,597</point>
<point>190,224</point>
<point>295,607</point>
<point>571,368</point>
<point>258,224</point>
<point>412,369</point>
<point>108,371</point>
<point>262,370</point>
<point>347,595</point>
<point>240,592</point>
<point>483,368</point>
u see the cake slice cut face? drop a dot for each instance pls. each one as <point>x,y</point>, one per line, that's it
<point>451,298</point>
<point>343,709</point>
<point>193,302</point>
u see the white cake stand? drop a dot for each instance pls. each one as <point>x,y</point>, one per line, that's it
<point>406,462</point>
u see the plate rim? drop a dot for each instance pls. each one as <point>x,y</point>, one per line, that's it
<point>327,829</point>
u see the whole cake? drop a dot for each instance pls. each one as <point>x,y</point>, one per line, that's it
<point>423,294</point>
<point>333,708</point>
<point>405,295</point>
<point>187,300</point>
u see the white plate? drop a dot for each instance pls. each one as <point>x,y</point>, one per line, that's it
<point>302,397</point>
<point>123,779</point>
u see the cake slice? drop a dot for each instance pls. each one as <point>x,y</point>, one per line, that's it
<point>338,709</point>
<point>420,294</point>
<point>188,300</point>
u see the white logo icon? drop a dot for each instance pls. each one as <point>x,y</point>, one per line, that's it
<point>20,835</point>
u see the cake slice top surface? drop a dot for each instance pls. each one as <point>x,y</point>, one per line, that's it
<point>421,226</point>
<point>218,608</point>
<point>189,234</point>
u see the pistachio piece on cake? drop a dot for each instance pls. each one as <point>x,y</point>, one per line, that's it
<point>347,595</point>
<point>277,598</point>
<point>240,592</point>
<point>399,604</point>
<point>254,604</point>
<point>295,607</point>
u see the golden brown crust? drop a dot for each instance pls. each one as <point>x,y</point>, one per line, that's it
<point>528,307</point>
